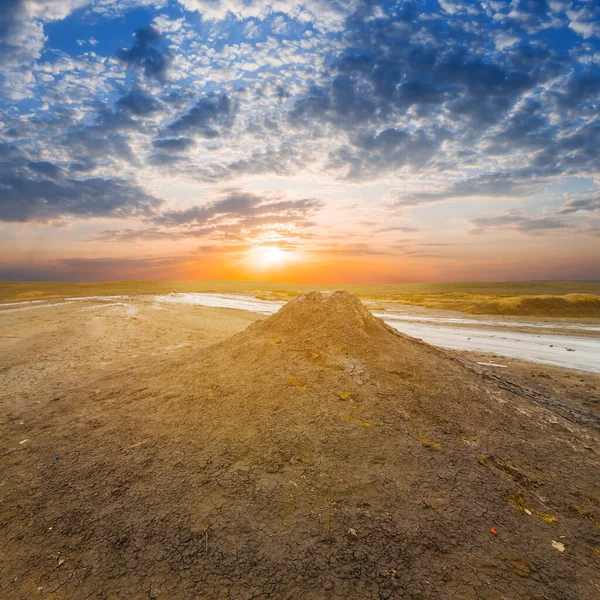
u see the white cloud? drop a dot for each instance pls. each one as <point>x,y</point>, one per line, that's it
<point>505,40</point>
<point>326,13</point>
<point>448,7</point>
<point>585,29</point>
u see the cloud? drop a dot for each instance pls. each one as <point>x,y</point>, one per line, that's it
<point>394,228</point>
<point>151,234</point>
<point>327,12</point>
<point>208,118</point>
<point>234,212</point>
<point>414,249</point>
<point>349,250</point>
<point>21,27</point>
<point>147,54</point>
<point>138,103</point>
<point>518,221</point>
<point>39,191</point>
<point>512,184</point>
<point>387,150</point>
<point>237,203</point>
<point>180,144</point>
<point>575,205</point>
<point>505,40</point>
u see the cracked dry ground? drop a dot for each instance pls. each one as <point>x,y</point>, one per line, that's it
<point>317,454</point>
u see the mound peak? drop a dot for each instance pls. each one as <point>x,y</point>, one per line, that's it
<point>322,319</point>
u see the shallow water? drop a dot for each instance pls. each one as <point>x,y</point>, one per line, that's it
<point>568,351</point>
<point>265,307</point>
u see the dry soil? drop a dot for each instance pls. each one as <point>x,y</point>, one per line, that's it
<point>315,454</point>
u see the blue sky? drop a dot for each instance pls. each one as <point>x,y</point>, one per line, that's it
<point>299,139</point>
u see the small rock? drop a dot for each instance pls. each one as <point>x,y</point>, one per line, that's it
<point>352,533</point>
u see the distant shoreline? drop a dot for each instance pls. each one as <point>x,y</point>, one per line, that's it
<point>562,299</point>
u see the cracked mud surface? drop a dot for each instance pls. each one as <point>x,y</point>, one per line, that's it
<point>316,454</point>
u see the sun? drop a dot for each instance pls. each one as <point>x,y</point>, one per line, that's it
<point>266,257</point>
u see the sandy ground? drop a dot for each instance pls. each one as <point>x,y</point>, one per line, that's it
<point>139,460</point>
<point>45,350</point>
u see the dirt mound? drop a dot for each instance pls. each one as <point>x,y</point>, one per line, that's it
<point>321,317</point>
<point>318,454</point>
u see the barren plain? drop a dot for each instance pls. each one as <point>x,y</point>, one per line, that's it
<point>167,450</point>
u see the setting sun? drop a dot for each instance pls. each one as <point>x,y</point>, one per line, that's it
<point>265,257</point>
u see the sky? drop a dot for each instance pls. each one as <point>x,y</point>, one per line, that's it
<point>340,141</point>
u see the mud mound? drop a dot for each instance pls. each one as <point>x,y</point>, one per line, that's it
<point>318,454</point>
<point>324,318</point>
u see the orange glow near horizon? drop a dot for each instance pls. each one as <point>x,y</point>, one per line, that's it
<point>268,257</point>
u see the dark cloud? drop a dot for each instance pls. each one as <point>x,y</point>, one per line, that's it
<point>151,234</point>
<point>234,212</point>
<point>390,149</point>
<point>518,221</point>
<point>101,264</point>
<point>92,145</point>
<point>165,159</point>
<point>581,88</point>
<point>39,191</point>
<point>138,103</point>
<point>180,144</point>
<point>13,17</point>
<point>343,103</point>
<point>237,203</point>
<point>580,204</point>
<point>118,269</point>
<point>167,149</point>
<point>106,140</point>
<point>107,268</point>
<point>148,54</point>
<point>207,118</point>
<point>46,168</point>
<point>517,183</point>
<point>386,70</point>
<point>528,128</point>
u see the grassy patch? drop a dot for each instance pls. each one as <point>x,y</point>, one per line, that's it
<point>427,441</point>
<point>546,517</point>
<point>517,501</point>
<point>567,305</point>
